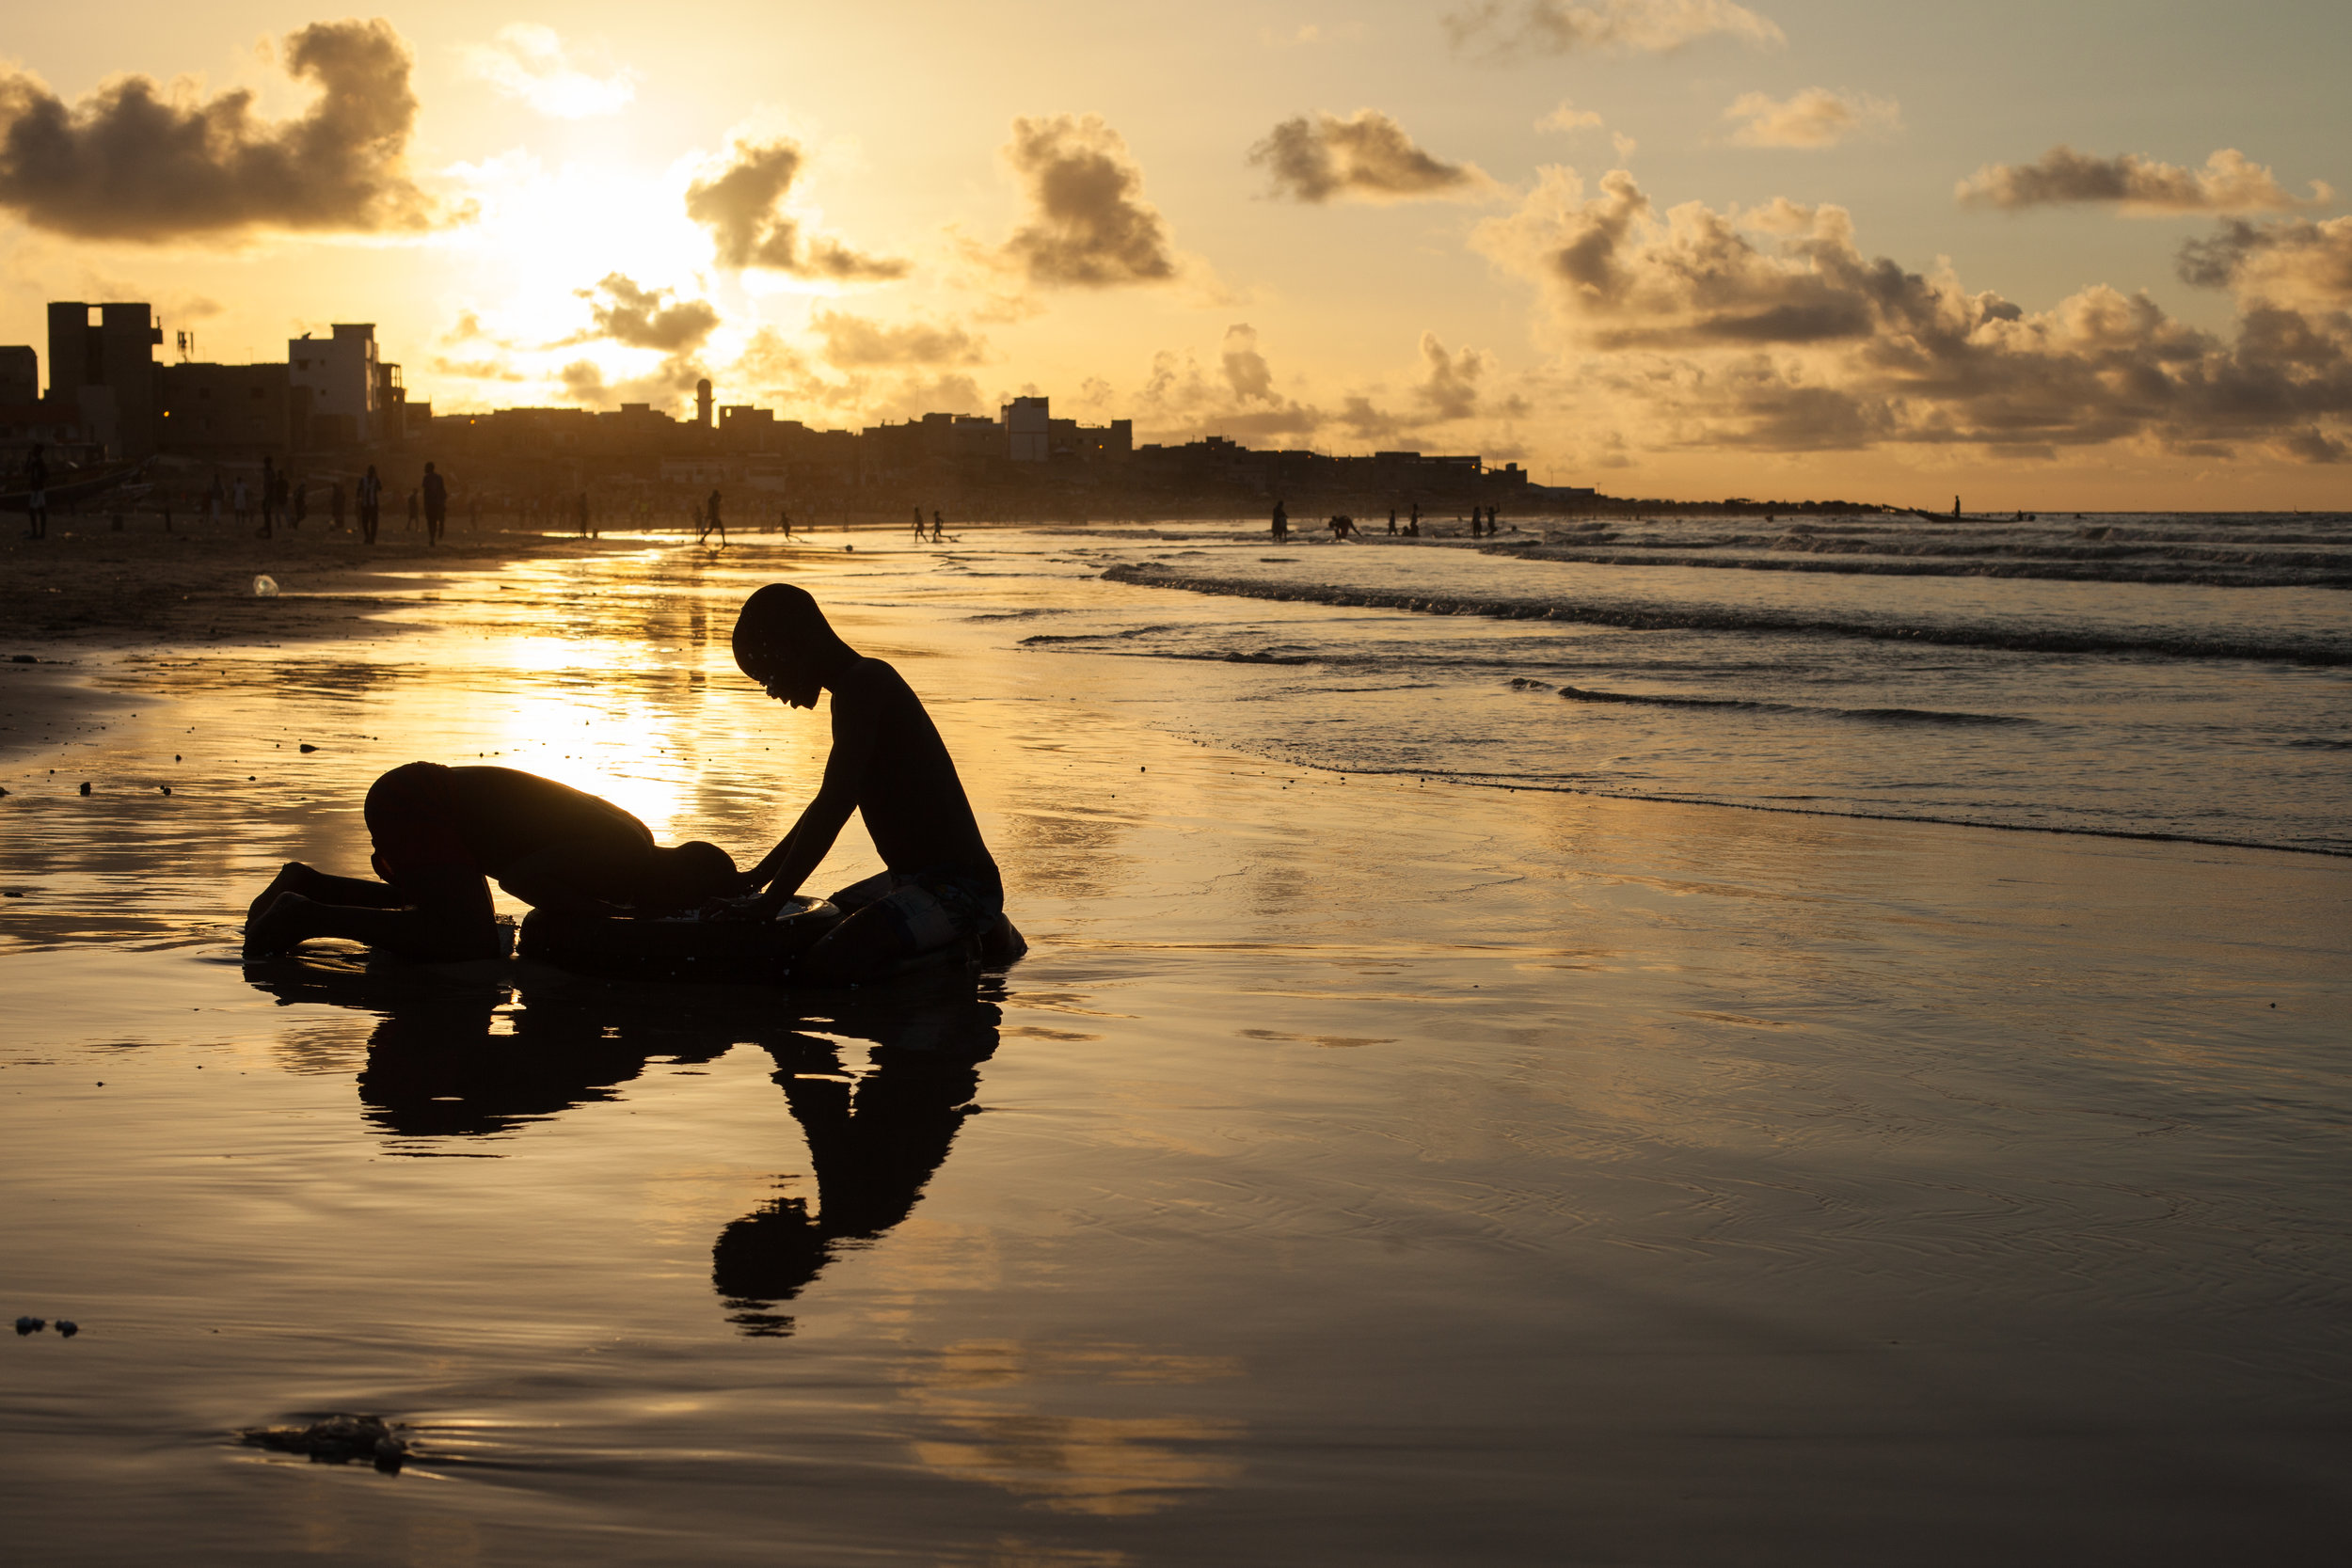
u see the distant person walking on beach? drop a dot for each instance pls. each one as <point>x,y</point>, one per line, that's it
<point>711,519</point>
<point>269,500</point>
<point>440,832</point>
<point>410,526</point>
<point>435,490</point>
<point>1281,521</point>
<point>784,520</point>
<point>918,525</point>
<point>888,765</point>
<point>587,522</point>
<point>36,494</point>
<point>939,527</point>
<point>371,503</point>
<point>241,502</point>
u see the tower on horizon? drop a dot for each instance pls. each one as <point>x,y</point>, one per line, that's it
<point>702,403</point>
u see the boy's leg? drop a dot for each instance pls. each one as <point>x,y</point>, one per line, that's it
<point>922,914</point>
<point>451,919</point>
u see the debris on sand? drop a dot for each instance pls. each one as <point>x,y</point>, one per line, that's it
<point>308,746</point>
<point>336,1440</point>
<point>30,1325</point>
<point>67,1328</point>
<point>85,786</point>
<point>265,587</point>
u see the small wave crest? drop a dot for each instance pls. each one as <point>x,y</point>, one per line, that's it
<point>1881,715</point>
<point>1642,617</point>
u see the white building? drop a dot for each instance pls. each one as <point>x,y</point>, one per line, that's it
<point>341,374</point>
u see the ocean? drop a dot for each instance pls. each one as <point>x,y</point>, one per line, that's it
<point>1417,1135</point>
<point>2157,675</point>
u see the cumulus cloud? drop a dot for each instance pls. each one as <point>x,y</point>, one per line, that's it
<point>1568,118</point>
<point>1090,225</point>
<point>1770,328</point>
<point>530,63</point>
<point>740,202</point>
<point>1246,372</point>
<point>1631,27</point>
<point>1814,118</point>
<point>853,341</point>
<point>2228,183</point>
<point>2291,261</point>
<point>136,161</point>
<point>1448,388</point>
<point>1365,155</point>
<point>628,313</point>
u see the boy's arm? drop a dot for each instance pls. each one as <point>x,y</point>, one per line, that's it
<point>857,726</point>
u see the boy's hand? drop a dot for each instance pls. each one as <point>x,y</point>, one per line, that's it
<point>759,907</point>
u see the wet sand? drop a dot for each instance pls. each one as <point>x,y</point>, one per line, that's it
<point>1356,1170</point>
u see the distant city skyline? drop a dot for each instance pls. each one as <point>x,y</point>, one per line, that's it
<point>2083,257</point>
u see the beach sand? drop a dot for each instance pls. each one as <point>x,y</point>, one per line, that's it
<point>1355,1171</point>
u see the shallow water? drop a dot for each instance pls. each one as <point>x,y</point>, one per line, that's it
<point>2183,710</point>
<point>1358,1169</point>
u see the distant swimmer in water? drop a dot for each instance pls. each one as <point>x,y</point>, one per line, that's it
<point>941,888</point>
<point>440,834</point>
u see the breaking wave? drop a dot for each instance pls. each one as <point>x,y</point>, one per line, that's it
<point>1641,617</point>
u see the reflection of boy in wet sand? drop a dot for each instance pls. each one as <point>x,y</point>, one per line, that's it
<point>888,765</point>
<point>440,832</point>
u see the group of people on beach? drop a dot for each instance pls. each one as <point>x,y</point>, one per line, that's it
<point>440,834</point>
<point>1484,523</point>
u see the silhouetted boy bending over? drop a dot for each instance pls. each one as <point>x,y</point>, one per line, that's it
<point>442,832</point>
<point>888,765</point>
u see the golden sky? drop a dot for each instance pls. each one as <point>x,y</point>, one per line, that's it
<point>2078,256</point>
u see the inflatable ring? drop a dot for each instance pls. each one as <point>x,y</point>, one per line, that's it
<point>680,947</point>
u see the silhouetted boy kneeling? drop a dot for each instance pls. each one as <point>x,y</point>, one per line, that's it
<point>888,765</point>
<point>442,832</point>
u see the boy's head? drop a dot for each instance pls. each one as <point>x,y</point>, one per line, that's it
<point>685,876</point>
<point>784,642</point>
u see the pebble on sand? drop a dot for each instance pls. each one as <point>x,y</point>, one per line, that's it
<point>30,1325</point>
<point>337,1440</point>
<point>67,1328</point>
<point>308,746</point>
<point>85,786</point>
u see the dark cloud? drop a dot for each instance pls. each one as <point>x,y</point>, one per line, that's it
<point>1366,155</point>
<point>646,317</point>
<point>2293,258</point>
<point>1772,329</point>
<point>2228,183</point>
<point>1646,27</point>
<point>742,207</point>
<point>134,161</point>
<point>1089,226</point>
<point>854,342</point>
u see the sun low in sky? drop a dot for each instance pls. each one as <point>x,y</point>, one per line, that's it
<point>2084,256</point>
